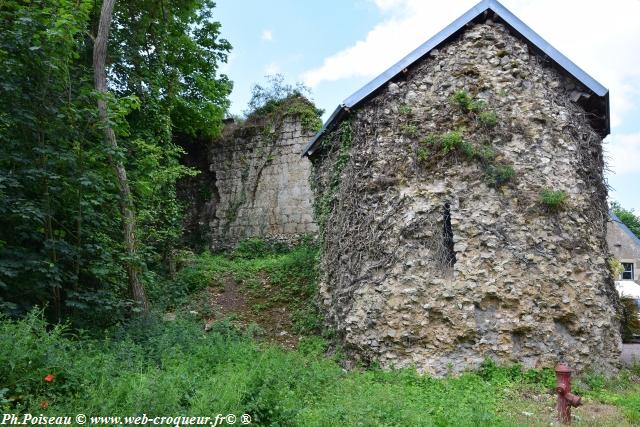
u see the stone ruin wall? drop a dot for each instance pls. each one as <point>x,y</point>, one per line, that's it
<point>527,285</point>
<point>255,185</point>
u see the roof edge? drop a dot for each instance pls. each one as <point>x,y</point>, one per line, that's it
<point>513,21</point>
<point>614,218</point>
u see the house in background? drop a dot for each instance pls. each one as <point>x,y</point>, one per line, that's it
<point>625,246</point>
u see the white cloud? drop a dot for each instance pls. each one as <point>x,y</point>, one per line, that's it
<point>623,153</point>
<point>602,38</point>
<point>267,35</point>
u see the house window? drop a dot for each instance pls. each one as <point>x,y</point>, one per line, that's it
<point>627,273</point>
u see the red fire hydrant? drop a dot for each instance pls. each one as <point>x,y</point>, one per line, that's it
<point>565,398</point>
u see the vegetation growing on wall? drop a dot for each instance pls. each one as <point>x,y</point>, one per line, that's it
<point>324,204</point>
<point>269,109</point>
<point>277,100</point>
<point>553,200</point>
<point>435,147</point>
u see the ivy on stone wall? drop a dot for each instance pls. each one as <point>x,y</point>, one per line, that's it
<point>324,204</point>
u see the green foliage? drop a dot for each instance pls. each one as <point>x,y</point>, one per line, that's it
<point>276,387</point>
<point>60,223</point>
<point>466,103</point>
<point>324,205</point>
<point>410,130</point>
<point>174,67</point>
<point>554,200</point>
<point>615,267</point>
<point>488,118</point>
<point>499,174</point>
<point>468,149</point>
<point>486,154</point>
<point>430,140</point>
<point>628,217</point>
<point>422,154</point>
<point>277,99</point>
<point>462,99</point>
<point>271,274</point>
<point>451,140</point>
<point>405,110</point>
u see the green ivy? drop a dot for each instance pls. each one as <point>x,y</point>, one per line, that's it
<point>325,203</point>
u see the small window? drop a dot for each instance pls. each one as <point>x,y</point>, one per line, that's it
<point>627,273</point>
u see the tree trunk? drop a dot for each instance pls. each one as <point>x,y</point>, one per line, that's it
<point>126,201</point>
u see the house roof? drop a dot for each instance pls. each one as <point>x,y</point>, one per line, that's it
<point>598,104</point>
<point>614,218</point>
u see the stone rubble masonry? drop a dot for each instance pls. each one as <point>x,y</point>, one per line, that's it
<point>528,285</point>
<point>261,185</point>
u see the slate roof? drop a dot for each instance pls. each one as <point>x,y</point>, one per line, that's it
<point>598,103</point>
<point>614,218</point>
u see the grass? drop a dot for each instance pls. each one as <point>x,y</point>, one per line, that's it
<point>163,368</point>
<point>270,276</point>
<point>554,200</point>
<point>169,368</point>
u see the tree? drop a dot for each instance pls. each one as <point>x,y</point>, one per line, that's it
<point>61,223</point>
<point>628,217</point>
<point>126,201</point>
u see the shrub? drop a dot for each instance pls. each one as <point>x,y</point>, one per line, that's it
<point>554,200</point>
<point>451,140</point>
<point>468,149</point>
<point>500,174</point>
<point>488,118</point>
<point>405,109</point>
<point>410,130</point>
<point>615,267</point>
<point>466,103</point>
<point>422,154</point>
<point>487,154</point>
<point>462,99</point>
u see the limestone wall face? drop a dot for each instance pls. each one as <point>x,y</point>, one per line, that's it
<point>261,184</point>
<point>527,284</point>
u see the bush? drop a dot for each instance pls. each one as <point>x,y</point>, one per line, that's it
<point>488,118</point>
<point>554,200</point>
<point>451,140</point>
<point>422,154</point>
<point>500,174</point>
<point>466,103</point>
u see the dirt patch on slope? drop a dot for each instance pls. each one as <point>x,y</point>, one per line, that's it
<point>237,304</point>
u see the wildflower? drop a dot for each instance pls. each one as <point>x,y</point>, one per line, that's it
<point>44,404</point>
<point>49,378</point>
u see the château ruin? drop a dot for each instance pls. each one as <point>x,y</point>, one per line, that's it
<point>458,199</point>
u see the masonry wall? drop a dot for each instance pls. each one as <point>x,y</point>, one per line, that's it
<point>260,186</point>
<point>526,283</point>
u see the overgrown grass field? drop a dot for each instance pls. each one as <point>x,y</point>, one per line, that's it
<point>173,367</point>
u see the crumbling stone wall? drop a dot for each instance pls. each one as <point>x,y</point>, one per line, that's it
<point>261,183</point>
<point>429,258</point>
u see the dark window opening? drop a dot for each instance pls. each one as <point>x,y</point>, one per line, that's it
<point>447,233</point>
<point>627,273</point>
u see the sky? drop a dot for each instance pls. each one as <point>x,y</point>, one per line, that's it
<point>335,47</point>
